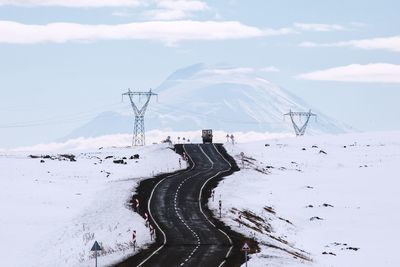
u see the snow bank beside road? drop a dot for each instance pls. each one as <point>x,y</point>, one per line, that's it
<point>332,199</point>
<point>52,212</point>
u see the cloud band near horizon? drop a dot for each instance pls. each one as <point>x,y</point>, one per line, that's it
<point>369,73</point>
<point>384,43</point>
<point>169,32</point>
<point>71,3</point>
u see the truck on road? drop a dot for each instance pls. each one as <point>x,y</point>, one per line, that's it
<point>207,136</point>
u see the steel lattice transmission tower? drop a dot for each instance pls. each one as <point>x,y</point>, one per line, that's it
<point>139,136</point>
<point>300,130</point>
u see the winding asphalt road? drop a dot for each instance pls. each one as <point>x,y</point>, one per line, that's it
<point>189,237</point>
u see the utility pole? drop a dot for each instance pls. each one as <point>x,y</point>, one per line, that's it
<point>139,137</point>
<point>300,130</point>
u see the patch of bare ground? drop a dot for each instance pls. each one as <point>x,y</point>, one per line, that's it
<point>258,224</point>
<point>247,162</point>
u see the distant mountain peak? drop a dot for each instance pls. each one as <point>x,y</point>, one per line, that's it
<point>216,96</point>
<point>186,72</point>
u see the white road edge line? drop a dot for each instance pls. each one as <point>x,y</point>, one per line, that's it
<point>201,193</point>
<point>201,209</point>
<point>151,215</point>
<point>230,240</point>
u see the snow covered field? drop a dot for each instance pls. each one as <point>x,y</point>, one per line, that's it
<point>53,211</point>
<point>317,201</point>
<point>310,201</point>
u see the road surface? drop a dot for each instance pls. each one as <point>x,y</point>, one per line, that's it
<point>189,238</point>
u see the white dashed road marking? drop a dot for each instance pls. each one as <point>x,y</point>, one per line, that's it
<point>180,217</point>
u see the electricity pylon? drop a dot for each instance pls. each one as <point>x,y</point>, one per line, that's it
<point>300,130</point>
<point>139,135</point>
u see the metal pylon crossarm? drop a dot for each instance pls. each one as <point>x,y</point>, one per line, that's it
<point>139,135</point>
<point>300,131</point>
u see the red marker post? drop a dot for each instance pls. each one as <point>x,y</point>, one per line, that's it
<point>146,218</point>
<point>134,240</point>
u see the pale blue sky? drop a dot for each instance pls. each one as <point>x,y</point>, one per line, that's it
<point>62,84</point>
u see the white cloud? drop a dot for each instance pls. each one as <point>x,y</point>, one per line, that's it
<point>378,72</point>
<point>311,45</point>
<point>281,31</point>
<point>156,9</point>
<point>169,32</point>
<point>385,43</point>
<point>270,69</point>
<point>189,5</point>
<point>166,14</point>
<point>317,27</point>
<point>175,9</point>
<point>72,3</point>
<point>389,43</point>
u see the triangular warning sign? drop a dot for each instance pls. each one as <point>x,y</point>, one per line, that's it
<point>96,247</point>
<point>245,247</point>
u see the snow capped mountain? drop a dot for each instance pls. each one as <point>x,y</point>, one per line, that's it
<point>221,98</point>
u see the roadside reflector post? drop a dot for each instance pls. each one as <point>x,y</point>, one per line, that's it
<point>96,247</point>
<point>136,205</point>
<point>220,208</point>
<point>242,158</point>
<point>151,232</point>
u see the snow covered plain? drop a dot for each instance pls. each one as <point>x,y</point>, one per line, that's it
<point>308,208</point>
<point>305,207</point>
<point>52,212</point>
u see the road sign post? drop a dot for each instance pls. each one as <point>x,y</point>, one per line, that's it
<point>245,249</point>
<point>96,247</point>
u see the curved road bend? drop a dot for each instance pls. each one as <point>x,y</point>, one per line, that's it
<point>190,239</point>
